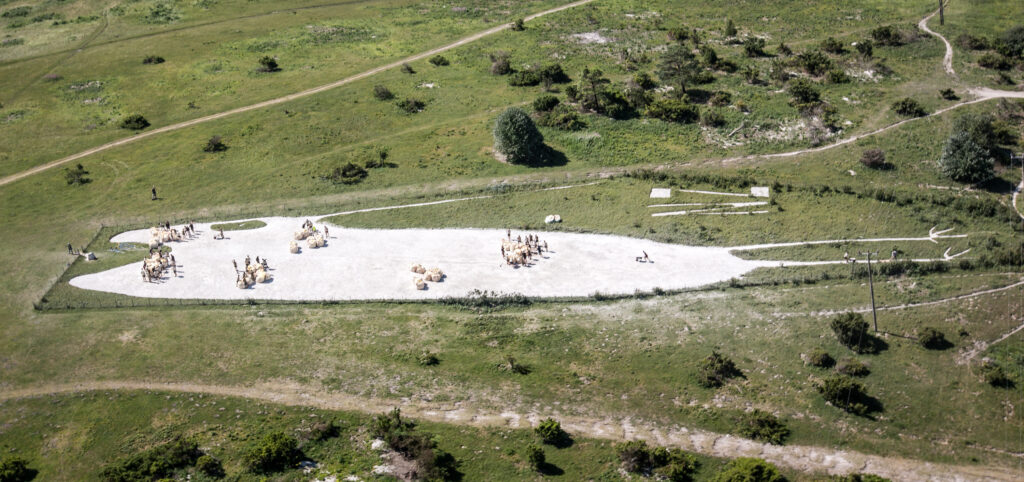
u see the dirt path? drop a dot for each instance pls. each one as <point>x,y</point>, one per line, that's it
<point>947,60</point>
<point>802,458</point>
<point>280,100</point>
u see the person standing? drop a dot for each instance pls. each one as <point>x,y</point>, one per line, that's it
<point>70,249</point>
<point>154,193</point>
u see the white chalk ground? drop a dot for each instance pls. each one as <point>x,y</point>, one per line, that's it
<point>661,193</point>
<point>366,264</point>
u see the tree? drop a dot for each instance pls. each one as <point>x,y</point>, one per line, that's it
<point>963,160</point>
<point>76,176</point>
<point>410,105</point>
<point>210,466</point>
<point>716,369</point>
<point>550,432</point>
<point>866,48</point>
<point>814,62</point>
<point>407,69</point>
<point>754,47</point>
<point>275,452</point>
<point>15,469</point>
<point>1012,42</point>
<point>153,59</point>
<point>672,110</point>
<point>678,66</point>
<point>804,92</point>
<point>730,28</point>
<point>821,359</point>
<point>909,107</point>
<point>932,339</point>
<point>382,93</point>
<point>873,158</point>
<point>994,375</point>
<point>134,122</point>
<point>438,61</point>
<point>268,64</point>
<point>215,144</point>
<point>887,35</point>
<point>851,330</point>
<point>980,128</point>
<point>516,137</point>
<point>845,393</point>
<point>748,469</point>
<point>535,456</point>
<point>518,26</point>
<point>500,64</point>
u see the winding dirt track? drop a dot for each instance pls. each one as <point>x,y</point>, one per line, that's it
<point>280,100</point>
<point>947,60</point>
<point>803,458</point>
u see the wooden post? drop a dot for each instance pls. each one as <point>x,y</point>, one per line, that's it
<point>871,285</point>
<point>942,14</point>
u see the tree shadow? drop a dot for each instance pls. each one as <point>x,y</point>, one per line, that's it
<point>871,345</point>
<point>550,469</point>
<point>939,345</point>
<point>564,440</point>
<point>997,185</point>
<point>549,157</point>
<point>698,96</point>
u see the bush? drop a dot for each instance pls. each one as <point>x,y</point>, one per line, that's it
<point>438,61</point>
<point>866,48</point>
<point>814,62</point>
<point>382,93</point>
<point>853,368</point>
<point>851,330</point>
<point>804,92</point>
<point>428,359</point>
<point>994,375</point>
<point>1012,42</point>
<point>516,137</point>
<point>407,69</point>
<point>932,339</point>
<point>859,478</point>
<point>715,370</point>
<point>709,56</point>
<point>679,34</point>
<point>553,74</point>
<point>970,42</point>
<point>210,466</point>
<point>215,144</point>
<point>753,47</point>
<point>784,50</point>
<point>948,94</point>
<point>712,118</point>
<point>747,469</point>
<point>832,46</point>
<point>638,458</point>
<point>161,13</point>
<point>525,78</point>
<point>634,455</point>
<point>720,98</point>
<point>134,122</point>
<point>268,64</point>
<point>992,60</point>
<point>551,433</point>
<point>277,451</point>
<point>411,106</point>
<point>873,158</point>
<point>431,462</point>
<point>751,74</point>
<point>963,160</point>
<point>500,64</point>
<point>845,393</point>
<point>562,117</point>
<point>518,25</point>
<point>545,103</point>
<point>837,77</point>
<point>153,59</point>
<point>672,110</point>
<point>76,176</point>
<point>644,81</point>
<point>15,469</point>
<point>887,35</point>
<point>347,174</point>
<point>820,358</point>
<point>759,425</point>
<point>154,463</point>
<point>535,456</point>
<point>908,107</point>
<point>730,28</point>
<point>21,11</point>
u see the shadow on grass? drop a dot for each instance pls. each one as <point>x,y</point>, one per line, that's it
<point>550,469</point>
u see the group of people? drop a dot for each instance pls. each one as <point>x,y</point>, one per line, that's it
<point>258,272</point>
<point>848,259</point>
<point>156,263</point>
<point>517,252</point>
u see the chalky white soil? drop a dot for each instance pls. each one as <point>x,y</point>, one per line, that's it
<point>366,264</point>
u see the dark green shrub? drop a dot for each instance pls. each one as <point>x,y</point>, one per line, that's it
<point>76,176</point>
<point>853,368</point>
<point>525,78</point>
<point>553,74</point>
<point>948,94</point>
<point>887,35</point>
<point>746,469</point>
<point>759,425</point>
<point>753,47</point>
<point>535,457</point>
<point>644,81</point>
<point>909,107</point>
<point>210,466</point>
<point>545,103</point>
<point>672,110</point>
<point>562,117</point>
<point>634,455</point>
<point>730,28</point>
<point>680,34</point>
<point>551,433</point>
<point>709,56</point>
<point>932,339</point>
<point>500,64</point>
<point>832,46</point>
<point>407,69</point>
<point>15,12</point>
<point>411,106</point>
<point>851,330</point>
<point>963,160</point>
<point>275,452</point>
<point>517,138</point>
<point>518,25</point>
<point>846,394</point>
<point>161,13</point>
<point>866,48</point>
<point>153,59</point>
<point>134,122</point>
<point>994,375</point>
<point>715,370</point>
<point>873,158</point>
<point>15,469</point>
<point>992,60</point>
<point>215,144</point>
<point>1011,42</point>
<point>970,42</point>
<point>431,462</point>
<point>428,359</point>
<point>347,174</point>
<point>382,93</point>
<point>837,77</point>
<point>268,64</point>
<point>814,62</point>
<point>512,365</point>
<point>154,463</point>
<point>804,92</point>
<point>720,99</point>
<point>820,358</point>
<point>712,118</point>
<point>784,50</point>
<point>438,61</point>
<point>858,478</point>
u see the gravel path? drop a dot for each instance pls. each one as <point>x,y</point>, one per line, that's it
<point>947,59</point>
<point>797,457</point>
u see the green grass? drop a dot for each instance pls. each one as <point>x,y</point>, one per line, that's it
<point>253,224</point>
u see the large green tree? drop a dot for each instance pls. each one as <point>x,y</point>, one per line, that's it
<point>516,137</point>
<point>677,67</point>
<point>963,160</point>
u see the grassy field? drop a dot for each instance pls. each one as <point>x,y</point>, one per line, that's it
<point>600,359</point>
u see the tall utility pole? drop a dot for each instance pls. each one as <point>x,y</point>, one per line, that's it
<point>942,14</point>
<point>871,285</point>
